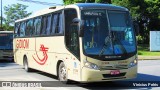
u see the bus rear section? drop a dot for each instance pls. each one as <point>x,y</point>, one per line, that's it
<point>6,45</point>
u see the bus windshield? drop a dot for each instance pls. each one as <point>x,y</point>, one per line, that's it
<point>107,32</point>
<point>6,41</point>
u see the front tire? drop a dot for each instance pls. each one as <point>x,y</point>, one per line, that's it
<point>62,73</point>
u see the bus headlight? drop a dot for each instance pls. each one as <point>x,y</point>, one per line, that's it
<point>91,65</point>
<point>133,63</point>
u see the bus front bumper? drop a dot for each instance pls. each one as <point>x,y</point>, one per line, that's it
<point>91,75</point>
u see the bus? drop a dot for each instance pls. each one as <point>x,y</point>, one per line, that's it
<point>84,42</point>
<point>6,45</point>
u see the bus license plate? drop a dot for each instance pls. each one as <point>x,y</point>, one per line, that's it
<point>115,72</point>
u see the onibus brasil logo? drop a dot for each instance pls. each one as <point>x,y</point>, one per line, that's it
<point>37,58</point>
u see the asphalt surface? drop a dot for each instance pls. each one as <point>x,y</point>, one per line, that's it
<point>148,73</point>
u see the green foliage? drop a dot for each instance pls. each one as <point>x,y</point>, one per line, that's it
<point>5,26</point>
<point>143,49</point>
<point>8,28</point>
<point>132,5</point>
<point>66,2</point>
<point>14,12</point>
<point>3,20</point>
<point>140,39</point>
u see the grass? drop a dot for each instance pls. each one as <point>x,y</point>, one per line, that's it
<point>144,50</point>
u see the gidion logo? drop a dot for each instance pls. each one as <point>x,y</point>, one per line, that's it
<point>22,43</point>
<point>43,60</point>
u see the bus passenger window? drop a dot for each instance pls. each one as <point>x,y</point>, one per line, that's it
<point>44,25</point>
<point>17,29</point>
<point>48,28</point>
<point>37,26</point>
<point>34,28</point>
<point>22,29</point>
<point>29,28</point>
<point>57,24</point>
<point>60,30</point>
<point>54,23</point>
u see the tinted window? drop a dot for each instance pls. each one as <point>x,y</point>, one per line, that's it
<point>37,26</point>
<point>29,27</point>
<point>22,29</point>
<point>48,28</point>
<point>60,30</point>
<point>54,23</point>
<point>17,27</point>
<point>71,32</point>
<point>44,25</point>
<point>6,41</point>
<point>57,25</point>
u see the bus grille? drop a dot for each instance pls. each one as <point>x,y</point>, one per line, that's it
<point>114,67</point>
<point>8,51</point>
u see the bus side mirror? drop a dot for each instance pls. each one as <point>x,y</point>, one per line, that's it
<point>76,20</point>
<point>80,26</point>
<point>136,28</point>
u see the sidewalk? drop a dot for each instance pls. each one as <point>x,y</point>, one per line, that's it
<point>148,57</point>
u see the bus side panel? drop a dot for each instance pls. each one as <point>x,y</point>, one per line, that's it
<point>57,47</point>
<point>49,50</point>
<point>23,47</point>
<point>55,50</point>
<point>15,51</point>
<point>43,53</point>
<point>30,52</point>
<point>18,51</point>
<point>40,56</point>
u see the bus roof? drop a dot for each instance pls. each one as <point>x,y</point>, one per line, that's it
<point>6,31</point>
<point>100,6</point>
<point>77,5</point>
<point>43,12</point>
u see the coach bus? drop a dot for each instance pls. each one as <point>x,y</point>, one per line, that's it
<point>85,42</point>
<point>6,45</point>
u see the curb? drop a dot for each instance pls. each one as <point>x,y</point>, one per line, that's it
<point>148,57</point>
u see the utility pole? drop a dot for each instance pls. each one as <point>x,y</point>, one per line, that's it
<point>1,28</point>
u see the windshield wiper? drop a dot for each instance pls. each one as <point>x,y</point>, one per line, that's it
<point>107,40</point>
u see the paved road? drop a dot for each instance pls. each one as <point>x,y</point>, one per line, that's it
<point>147,71</point>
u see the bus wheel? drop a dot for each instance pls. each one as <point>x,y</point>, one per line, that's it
<point>62,73</point>
<point>25,64</point>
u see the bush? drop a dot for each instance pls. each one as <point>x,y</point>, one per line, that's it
<point>140,39</point>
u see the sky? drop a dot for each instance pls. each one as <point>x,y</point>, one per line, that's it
<point>32,7</point>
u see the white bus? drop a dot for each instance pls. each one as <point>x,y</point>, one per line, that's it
<point>82,42</point>
<point>6,45</point>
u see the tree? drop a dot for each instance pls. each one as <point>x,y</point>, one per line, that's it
<point>14,12</point>
<point>3,20</point>
<point>4,26</point>
<point>83,1</point>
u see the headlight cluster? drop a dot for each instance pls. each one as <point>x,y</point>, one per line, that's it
<point>91,65</point>
<point>133,63</point>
